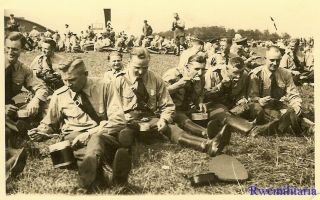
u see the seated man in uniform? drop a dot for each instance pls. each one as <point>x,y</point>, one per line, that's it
<point>115,64</point>
<point>227,85</point>
<point>19,77</point>
<point>88,113</point>
<point>45,66</point>
<point>227,88</point>
<point>272,89</point>
<point>291,61</point>
<point>196,45</point>
<point>145,98</point>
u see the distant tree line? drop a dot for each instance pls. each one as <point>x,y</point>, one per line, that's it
<point>215,32</point>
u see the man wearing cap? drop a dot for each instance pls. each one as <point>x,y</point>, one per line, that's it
<point>17,76</point>
<point>195,47</point>
<point>186,87</point>
<point>178,26</point>
<point>45,66</point>
<point>147,29</point>
<point>88,113</point>
<point>226,88</point>
<point>275,93</point>
<point>145,99</point>
<point>12,24</point>
<point>222,56</point>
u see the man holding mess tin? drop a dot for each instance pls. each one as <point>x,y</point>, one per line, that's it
<point>148,105</point>
<point>88,113</point>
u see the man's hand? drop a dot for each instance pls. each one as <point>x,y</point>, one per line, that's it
<point>242,101</point>
<point>264,100</point>
<point>35,135</point>
<point>182,82</point>
<point>296,73</point>
<point>81,140</point>
<point>226,82</point>
<point>297,110</point>
<point>203,107</point>
<point>162,125</point>
<point>33,107</point>
<point>11,109</point>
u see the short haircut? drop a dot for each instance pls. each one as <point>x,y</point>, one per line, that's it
<point>199,58</point>
<point>114,53</point>
<point>71,64</point>
<point>140,52</point>
<point>236,62</point>
<point>17,36</point>
<point>50,41</point>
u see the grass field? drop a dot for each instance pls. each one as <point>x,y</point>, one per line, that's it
<point>160,168</point>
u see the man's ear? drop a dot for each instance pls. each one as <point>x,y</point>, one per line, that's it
<point>86,73</point>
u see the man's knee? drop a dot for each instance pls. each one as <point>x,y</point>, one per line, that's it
<point>127,137</point>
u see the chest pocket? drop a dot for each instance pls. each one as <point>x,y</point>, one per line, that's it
<point>128,98</point>
<point>152,97</point>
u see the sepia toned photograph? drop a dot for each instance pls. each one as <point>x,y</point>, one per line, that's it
<point>159,98</point>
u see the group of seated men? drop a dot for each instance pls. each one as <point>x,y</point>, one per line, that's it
<point>102,117</point>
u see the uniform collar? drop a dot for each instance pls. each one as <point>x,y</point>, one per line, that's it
<point>16,65</point>
<point>268,72</point>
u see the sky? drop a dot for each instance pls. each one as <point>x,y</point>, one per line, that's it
<point>296,17</point>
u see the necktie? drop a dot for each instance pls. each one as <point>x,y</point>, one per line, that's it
<point>274,86</point>
<point>8,83</point>
<point>142,93</point>
<point>87,107</point>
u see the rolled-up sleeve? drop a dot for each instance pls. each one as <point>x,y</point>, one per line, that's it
<point>52,118</point>
<point>115,114</point>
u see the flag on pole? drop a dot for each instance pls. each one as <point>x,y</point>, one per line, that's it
<point>274,23</point>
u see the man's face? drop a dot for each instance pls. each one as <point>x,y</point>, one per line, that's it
<point>47,50</point>
<point>223,46</point>
<point>13,50</point>
<point>196,70</point>
<point>234,73</point>
<point>116,62</point>
<point>273,59</point>
<point>139,67</point>
<point>75,79</point>
<point>292,45</point>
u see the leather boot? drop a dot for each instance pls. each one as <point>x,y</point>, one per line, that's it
<point>212,147</point>
<point>239,123</point>
<point>267,129</point>
<point>121,166</point>
<point>194,128</point>
<point>88,170</point>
